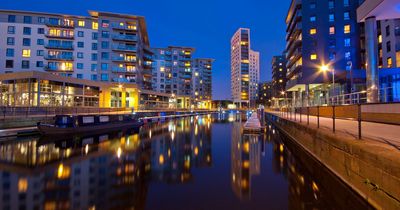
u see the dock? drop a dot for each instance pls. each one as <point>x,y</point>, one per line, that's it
<point>253,125</point>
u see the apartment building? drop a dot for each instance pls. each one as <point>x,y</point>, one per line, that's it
<point>278,75</point>
<point>244,69</point>
<point>389,43</point>
<point>202,78</point>
<point>265,93</point>
<point>103,46</point>
<point>320,33</point>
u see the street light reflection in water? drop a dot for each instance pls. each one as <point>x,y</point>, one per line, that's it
<point>203,162</point>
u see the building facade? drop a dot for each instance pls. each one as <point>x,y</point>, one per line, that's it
<point>320,33</point>
<point>265,94</point>
<point>202,79</point>
<point>244,68</point>
<point>278,75</point>
<point>101,47</point>
<point>389,43</point>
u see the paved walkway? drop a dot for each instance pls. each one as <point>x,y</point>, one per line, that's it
<point>377,132</point>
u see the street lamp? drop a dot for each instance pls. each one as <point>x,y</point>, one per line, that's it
<point>326,68</point>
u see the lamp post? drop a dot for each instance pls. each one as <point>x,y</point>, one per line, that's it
<point>326,68</point>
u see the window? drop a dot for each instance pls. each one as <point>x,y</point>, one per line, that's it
<point>93,67</point>
<point>26,53</point>
<point>79,55</point>
<point>332,30</point>
<point>40,30</point>
<point>10,41</point>
<point>105,55</point>
<point>79,76</point>
<point>104,45</point>
<point>104,77</point>
<point>347,29</point>
<point>94,56</point>
<point>11,29</point>
<point>347,56</point>
<point>39,53</point>
<point>11,18</point>
<point>26,42</point>
<point>27,19</point>
<point>313,31</point>
<point>9,52</point>
<point>80,34</point>
<point>388,46</point>
<point>347,42</point>
<point>41,19</point>
<point>80,45</point>
<point>104,66</point>
<point>313,56</point>
<point>94,46</point>
<point>95,35</point>
<point>27,31</point>
<point>79,65</point>
<point>313,19</point>
<point>380,38</point>
<point>25,65</point>
<point>105,23</point>
<point>95,25</point>
<point>332,56</point>
<point>346,3</point>
<point>81,23</point>
<point>331,4</point>
<point>331,17</point>
<point>346,16</point>
<point>105,34</point>
<point>389,62</point>
<point>9,64</point>
<point>39,63</point>
<point>93,77</point>
<point>388,30</point>
<point>313,5</point>
<point>40,42</point>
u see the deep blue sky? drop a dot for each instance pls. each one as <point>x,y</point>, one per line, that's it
<point>207,25</point>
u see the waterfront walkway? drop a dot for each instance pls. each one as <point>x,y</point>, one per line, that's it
<point>375,132</point>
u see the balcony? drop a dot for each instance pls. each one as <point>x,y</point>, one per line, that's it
<point>117,69</point>
<point>59,46</point>
<point>148,58</point>
<point>122,59</point>
<point>57,69</point>
<point>124,48</point>
<point>123,80</point>
<point>127,38</point>
<point>124,27</point>
<point>59,57</point>
<point>60,24</point>
<point>59,36</point>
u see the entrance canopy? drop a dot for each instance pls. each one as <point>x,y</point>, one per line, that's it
<point>380,9</point>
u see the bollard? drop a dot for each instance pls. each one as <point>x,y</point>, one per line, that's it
<point>333,119</point>
<point>318,116</point>
<point>359,121</point>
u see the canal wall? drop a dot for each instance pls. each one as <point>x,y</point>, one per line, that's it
<point>371,169</point>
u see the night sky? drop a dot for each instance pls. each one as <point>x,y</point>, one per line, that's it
<point>207,25</point>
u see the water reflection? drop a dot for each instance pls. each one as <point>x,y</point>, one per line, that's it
<point>147,169</point>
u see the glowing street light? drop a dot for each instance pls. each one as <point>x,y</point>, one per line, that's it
<point>326,68</point>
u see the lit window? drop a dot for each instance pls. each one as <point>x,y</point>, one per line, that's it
<point>95,25</point>
<point>380,38</point>
<point>26,53</point>
<point>389,63</point>
<point>347,29</point>
<point>81,23</point>
<point>313,31</point>
<point>22,185</point>
<point>313,56</point>
<point>332,30</point>
<point>121,24</point>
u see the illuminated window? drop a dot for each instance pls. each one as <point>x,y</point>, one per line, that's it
<point>398,59</point>
<point>313,31</point>
<point>347,29</point>
<point>380,38</point>
<point>121,24</point>
<point>26,53</point>
<point>22,185</point>
<point>313,56</point>
<point>162,69</point>
<point>81,23</point>
<point>132,27</point>
<point>280,81</point>
<point>332,30</point>
<point>389,62</point>
<point>95,25</point>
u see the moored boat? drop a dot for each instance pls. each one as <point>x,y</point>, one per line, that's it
<point>70,124</point>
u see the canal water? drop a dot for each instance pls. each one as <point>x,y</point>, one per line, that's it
<point>193,163</point>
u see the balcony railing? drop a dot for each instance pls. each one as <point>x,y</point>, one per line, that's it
<point>59,36</point>
<point>122,37</point>
<point>57,68</point>
<point>59,57</point>
<point>124,27</point>
<point>123,59</point>
<point>123,80</point>
<point>61,24</point>
<point>124,48</point>
<point>122,70</point>
<point>59,46</point>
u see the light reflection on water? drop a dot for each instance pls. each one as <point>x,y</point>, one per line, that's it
<point>202,162</point>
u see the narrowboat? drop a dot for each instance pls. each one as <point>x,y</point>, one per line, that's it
<point>71,124</point>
